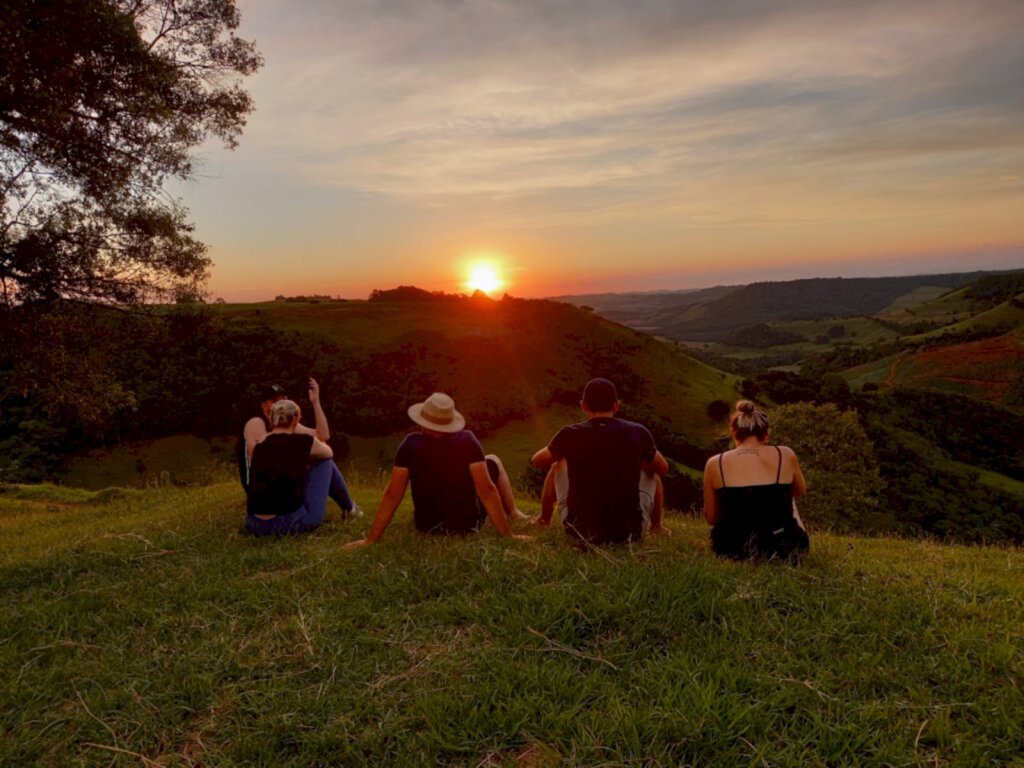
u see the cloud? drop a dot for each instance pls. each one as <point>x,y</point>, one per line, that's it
<point>436,102</point>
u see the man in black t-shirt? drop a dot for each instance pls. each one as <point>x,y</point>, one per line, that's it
<point>606,473</point>
<point>455,487</point>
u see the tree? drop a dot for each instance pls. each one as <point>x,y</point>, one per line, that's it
<point>102,102</point>
<point>844,486</point>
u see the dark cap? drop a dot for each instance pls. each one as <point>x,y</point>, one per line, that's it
<point>272,392</point>
<point>599,395</point>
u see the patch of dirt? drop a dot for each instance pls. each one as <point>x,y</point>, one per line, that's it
<point>983,369</point>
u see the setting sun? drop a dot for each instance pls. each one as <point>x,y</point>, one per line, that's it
<point>483,277</point>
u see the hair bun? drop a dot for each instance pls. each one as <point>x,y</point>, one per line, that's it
<point>745,406</point>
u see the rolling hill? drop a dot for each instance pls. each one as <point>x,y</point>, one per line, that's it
<point>707,315</point>
<point>515,367</point>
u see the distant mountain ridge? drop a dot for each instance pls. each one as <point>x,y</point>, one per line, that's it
<point>710,314</point>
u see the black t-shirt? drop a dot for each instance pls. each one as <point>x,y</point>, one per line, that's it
<point>277,473</point>
<point>443,494</point>
<point>604,456</point>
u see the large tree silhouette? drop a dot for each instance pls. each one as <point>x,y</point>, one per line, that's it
<point>102,102</point>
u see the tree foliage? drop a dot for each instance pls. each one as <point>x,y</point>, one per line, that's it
<point>101,103</point>
<point>838,460</point>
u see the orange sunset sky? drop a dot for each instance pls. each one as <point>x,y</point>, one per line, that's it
<point>602,145</point>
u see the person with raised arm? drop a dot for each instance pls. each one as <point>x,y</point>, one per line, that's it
<point>749,493</point>
<point>605,473</point>
<point>455,487</point>
<point>291,476</point>
<point>258,427</point>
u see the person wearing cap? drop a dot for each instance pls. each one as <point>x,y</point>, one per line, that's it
<point>605,473</point>
<point>258,427</point>
<point>292,474</point>
<point>455,487</point>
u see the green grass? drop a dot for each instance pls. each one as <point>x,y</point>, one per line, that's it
<point>144,628</point>
<point>916,297</point>
<point>1004,315</point>
<point>176,458</point>
<point>860,331</point>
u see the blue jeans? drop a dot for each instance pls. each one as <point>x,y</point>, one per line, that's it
<point>323,480</point>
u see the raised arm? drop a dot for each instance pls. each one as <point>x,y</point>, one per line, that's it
<point>389,502</point>
<point>488,494</point>
<point>323,431</point>
<point>710,500</point>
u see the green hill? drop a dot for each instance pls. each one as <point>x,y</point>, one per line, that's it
<point>141,628</point>
<point>509,358</point>
<point>710,314</point>
<point>804,299</point>
<point>515,367</point>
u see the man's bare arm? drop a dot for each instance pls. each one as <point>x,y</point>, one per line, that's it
<point>323,431</point>
<point>543,458</point>
<point>488,494</point>
<point>656,466</point>
<point>255,430</point>
<point>389,502</point>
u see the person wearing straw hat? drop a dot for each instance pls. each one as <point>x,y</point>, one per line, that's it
<point>455,487</point>
<point>605,473</point>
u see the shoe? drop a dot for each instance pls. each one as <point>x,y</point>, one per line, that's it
<point>355,512</point>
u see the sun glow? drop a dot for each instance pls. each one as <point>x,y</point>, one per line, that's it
<point>483,276</point>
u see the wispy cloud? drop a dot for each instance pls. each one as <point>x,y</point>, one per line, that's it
<point>434,100</point>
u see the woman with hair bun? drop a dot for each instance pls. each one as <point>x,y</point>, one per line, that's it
<point>749,492</point>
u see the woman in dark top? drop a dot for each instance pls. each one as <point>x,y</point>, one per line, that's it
<point>749,492</point>
<point>290,477</point>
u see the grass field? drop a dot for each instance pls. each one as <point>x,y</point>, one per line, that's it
<point>142,628</point>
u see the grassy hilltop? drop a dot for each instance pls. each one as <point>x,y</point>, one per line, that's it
<point>141,628</point>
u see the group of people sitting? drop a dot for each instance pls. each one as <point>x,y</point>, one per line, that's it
<point>604,478</point>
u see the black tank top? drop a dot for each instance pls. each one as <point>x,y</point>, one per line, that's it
<point>757,520</point>
<point>277,474</point>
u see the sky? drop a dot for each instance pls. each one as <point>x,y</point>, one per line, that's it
<point>614,145</point>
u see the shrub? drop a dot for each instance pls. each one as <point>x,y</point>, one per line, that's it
<point>718,410</point>
<point>839,462</point>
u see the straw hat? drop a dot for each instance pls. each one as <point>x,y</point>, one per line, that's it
<point>437,413</point>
